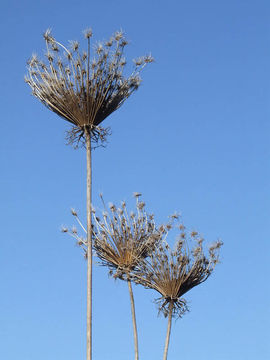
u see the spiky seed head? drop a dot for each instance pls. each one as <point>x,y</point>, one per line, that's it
<point>74,230</point>
<point>140,205</point>
<point>99,48</point>
<point>175,272</point>
<point>74,45</point>
<point>64,229</point>
<point>123,43</point>
<point>48,36</point>
<point>118,35</point>
<point>73,212</point>
<point>88,33</point>
<point>122,240</point>
<point>149,59</point>
<point>138,61</point>
<point>81,94</point>
<point>109,43</point>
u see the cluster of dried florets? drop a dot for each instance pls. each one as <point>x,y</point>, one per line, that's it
<point>84,90</point>
<point>134,248</point>
<point>173,272</point>
<point>123,239</point>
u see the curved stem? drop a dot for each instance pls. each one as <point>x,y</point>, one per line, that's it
<point>135,333</point>
<point>89,246</point>
<point>168,331</point>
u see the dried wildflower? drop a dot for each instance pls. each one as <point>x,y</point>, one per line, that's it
<point>82,91</point>
<point>122,240</point>
<point>178,271</point>
<point>172,273</point>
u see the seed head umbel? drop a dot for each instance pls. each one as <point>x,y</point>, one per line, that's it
<point>122,239</point>
<point>84,87</point>
<point>174,272</point>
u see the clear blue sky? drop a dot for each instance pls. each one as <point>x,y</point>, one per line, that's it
<point>194,138</point>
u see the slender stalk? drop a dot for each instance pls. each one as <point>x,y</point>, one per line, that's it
<point>135,333</point>
<point>168,332</point>
<point>89,245</point>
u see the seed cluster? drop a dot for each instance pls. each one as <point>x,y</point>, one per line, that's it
<point>135,248</point>
<point>173,272</point>
<point>122,239</point>
<point>83,90</point>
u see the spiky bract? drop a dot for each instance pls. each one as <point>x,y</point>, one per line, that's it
<point>84,90</point>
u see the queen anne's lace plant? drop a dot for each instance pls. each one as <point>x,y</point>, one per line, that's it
<point>81,87</point>
<point>174,272</point>
<point>122,240</point>
<point>84,88</point>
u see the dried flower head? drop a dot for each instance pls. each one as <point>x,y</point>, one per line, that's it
<point>122,239</point>
<point>83,90</point>
<point>173,272</point>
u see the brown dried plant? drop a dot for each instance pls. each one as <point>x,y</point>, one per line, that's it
<point>122,240</point>
<point>172,273</point>
<point>84,91</point>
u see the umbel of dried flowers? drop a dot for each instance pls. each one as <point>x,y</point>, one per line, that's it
<point>174,272</point>
<point>81,87</point>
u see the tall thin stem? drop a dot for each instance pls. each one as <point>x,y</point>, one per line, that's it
<point>89,245</point>
<point>168,331</point>
<point>135,333</point>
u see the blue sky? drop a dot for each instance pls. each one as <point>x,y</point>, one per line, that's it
<point>194,138</point>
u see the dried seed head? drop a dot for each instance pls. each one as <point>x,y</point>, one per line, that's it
<point>109,43</point>
<point>88,33</point>
<point>112,207</point>
<point>123,240</point>
<point>123,43</point>
<point>138,61</point>
<point>99,48</point>
<point>83,95</point>
<point>174,272</point>
<point>48,36</point>
<point>74,230</point>
<point>149,59</point>
<point>73,212</point>
<point>64,229</point>
<point>118,35</point>
<point>54,47</point>
<point>140,205</point>
<point>74,45</point>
